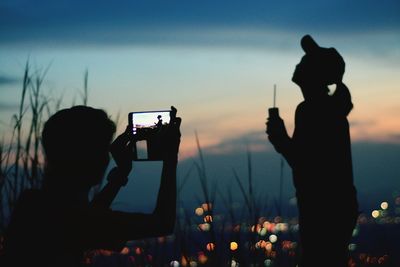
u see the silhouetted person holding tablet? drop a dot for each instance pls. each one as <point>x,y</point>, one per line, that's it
<point>319,154</point>
<point>53,226</point>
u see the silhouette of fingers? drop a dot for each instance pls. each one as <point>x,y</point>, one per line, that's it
<point>268,128</point>
<point>122,150</point>
<point>173,112</point>
<point>123,138</point>
<point>177,123</point>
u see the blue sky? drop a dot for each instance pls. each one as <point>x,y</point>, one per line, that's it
<point>120,22</point>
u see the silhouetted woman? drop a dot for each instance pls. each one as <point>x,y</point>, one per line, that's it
<point>55,225</point>
<point>319,154</point>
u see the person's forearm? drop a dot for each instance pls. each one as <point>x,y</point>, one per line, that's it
<point>161,222</point>
<point>286,150</point>
<point>166,201</point>
<point>107,195</point>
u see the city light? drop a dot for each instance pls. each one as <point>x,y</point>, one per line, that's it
<point>384,205</point>
<point>125,251</point>
<point>262,232</point>
<point>234,246</point>
<point>202,258</point>
<point>268,262</point>
<point>208,219</point>
<point>206,206</point>
<point>273,238</point>
<point>205,227</point>
<point>210,246</point>
<point>199,211</point>
<point>234,263</point>
<point>352,247</point>
<point>375,214</point>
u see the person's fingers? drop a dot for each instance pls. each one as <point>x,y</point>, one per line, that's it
<point>268,128</point>
<point>119,142</point>
<point>178,122</point>
<point>128,130</point>
<point>172,113</point>
<point>175,124</point>
<point>131,150</point>
<point>125,136</point>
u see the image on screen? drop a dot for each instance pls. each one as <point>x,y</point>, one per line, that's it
<point>150,119</point>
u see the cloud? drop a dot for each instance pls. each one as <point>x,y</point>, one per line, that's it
<point>362,123</point>
<point>394,137</point>
<point>6,80</point>
<point>252,141</point>
<point>8,106</point>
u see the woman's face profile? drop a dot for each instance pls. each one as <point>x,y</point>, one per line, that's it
<point>302,73</point>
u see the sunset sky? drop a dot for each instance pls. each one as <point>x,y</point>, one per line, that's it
<point>216,61</point>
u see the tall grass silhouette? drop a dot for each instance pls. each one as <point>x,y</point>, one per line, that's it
<point>21,157</point>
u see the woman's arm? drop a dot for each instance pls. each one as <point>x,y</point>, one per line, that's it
<point>279,138</point>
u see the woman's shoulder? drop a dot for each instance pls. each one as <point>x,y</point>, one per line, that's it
<point>301,106</point>
<point>302,109</point>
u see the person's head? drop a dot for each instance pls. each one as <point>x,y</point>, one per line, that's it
<point>76,144</point>
<point>318,68</point>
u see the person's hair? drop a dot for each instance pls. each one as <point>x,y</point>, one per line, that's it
<point>74,137</point>
<point>323,66</point>
<point>327,65</point>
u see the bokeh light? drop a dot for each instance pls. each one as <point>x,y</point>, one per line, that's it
<point>210,246</point>
<point>355,231</point>
<point>234,263</point>
<point>286,245</point>
<point>202,258</point>
<point>234,246</point>
<point>199,211</point>
<point>268,262</point>
<point>208,219</point>
<point>282,227</point>
<point>184,261</point>
<point>375,214</point>
<point>384,205</point>
<point>268,246</point>
<point>174,264</point>
<point>262,232</point>
<point>206,206</point>
<point>205,227</point>
<point>125,251</point>
<point>138,250</point>
<point>352,247</point>
<point>273,238</point>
